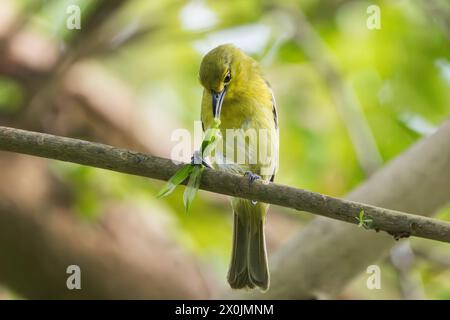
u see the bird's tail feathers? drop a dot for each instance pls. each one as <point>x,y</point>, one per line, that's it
<point>248,267</point>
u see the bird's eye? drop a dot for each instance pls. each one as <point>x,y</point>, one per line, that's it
<point>227,78</point>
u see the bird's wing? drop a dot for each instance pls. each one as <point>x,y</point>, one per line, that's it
<point>275,119</point>
<point>274,106</point>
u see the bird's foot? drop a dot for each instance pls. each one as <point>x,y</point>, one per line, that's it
<point>198,159</point>
<point>252,177</point>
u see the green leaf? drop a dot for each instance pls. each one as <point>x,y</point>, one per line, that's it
<point>210,137</point>
<point>360,219</point>
<point>363,221</point>
<point>205,145</point>
<point>192,187</point>
<point>175,180</point>
<point>206,152</point>
<point>193,171</point>
<point>368,223</point>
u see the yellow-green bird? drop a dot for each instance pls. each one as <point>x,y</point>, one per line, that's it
<point>236,92</point>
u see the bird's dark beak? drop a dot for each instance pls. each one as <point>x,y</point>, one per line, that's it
<point>217,101</point>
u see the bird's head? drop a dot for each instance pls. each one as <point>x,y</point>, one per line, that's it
<point>221,72</point>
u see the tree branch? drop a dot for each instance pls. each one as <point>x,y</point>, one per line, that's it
<point>396,223</point>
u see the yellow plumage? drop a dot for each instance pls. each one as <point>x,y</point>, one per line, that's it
<point>236,93</point>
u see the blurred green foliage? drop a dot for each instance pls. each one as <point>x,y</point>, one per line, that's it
<point>11,98</point>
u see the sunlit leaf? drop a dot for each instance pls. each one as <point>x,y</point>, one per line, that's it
<point>210,139</point>
<point>192,187</point>
<point>194,170</point>
<point>175,180</point>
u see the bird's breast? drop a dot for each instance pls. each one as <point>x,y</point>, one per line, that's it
<point>249,139</point>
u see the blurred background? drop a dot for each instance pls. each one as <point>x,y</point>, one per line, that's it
<point>350,99</point>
